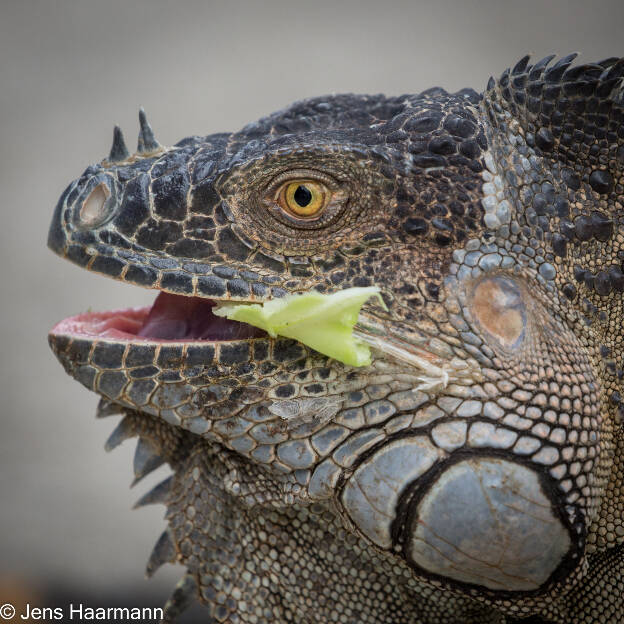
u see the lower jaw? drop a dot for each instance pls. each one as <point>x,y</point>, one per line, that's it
<point>128,357</point>
<point>176,379</point>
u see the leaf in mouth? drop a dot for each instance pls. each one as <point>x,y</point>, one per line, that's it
<point>323,322</point>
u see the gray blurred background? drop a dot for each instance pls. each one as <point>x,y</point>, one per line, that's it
<point>68,72</point>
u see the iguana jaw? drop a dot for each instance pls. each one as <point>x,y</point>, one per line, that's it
<point>171,319</point>
<point>132,356</point>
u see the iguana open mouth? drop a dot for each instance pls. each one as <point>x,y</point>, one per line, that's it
<point>172,318</point>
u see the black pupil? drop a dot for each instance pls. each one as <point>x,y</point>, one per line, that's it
<point>303,196</point>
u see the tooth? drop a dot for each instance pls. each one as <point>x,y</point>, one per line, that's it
<point>146,460</point>
<point>164,552</point>
<point>108,408</point>
<point>157,495</point>
<point>123,431</point>
<point>183,596</point>
<point>119,151</point>
<point>147,140</point>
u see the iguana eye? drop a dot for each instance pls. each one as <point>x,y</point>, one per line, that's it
<point>303,198</point>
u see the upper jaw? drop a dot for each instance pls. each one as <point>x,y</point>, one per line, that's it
<point>104,250</point>
<point>188,288</point>
<point>103,221</point>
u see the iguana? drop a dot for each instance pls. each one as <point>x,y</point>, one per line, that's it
<point>307,490</point>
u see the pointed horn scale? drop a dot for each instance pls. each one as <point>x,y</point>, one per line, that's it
<point>123,431</point>
<point>184,595</point>
<point>157,495</point>
<point>146,460</point>
<point>555,73</point>
<point>147,141</point>
<point>540,67</point>
<point>119,151</point>
<point>521,65</point>
<point>164,552</point>
<point>107,408</point>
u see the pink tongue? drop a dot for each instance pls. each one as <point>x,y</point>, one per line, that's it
<point>174,317</point>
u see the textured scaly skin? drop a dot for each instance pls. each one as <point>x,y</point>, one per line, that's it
<point>305,490</point>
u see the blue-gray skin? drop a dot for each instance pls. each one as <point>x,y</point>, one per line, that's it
<point>305,490</point>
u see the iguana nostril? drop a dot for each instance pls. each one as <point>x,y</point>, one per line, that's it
<point>94,207</point>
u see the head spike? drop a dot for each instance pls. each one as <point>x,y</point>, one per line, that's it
<point>504,79</point>
<point>608,61</point>
<point>521,65</point>
<point>118,151</point>
<point>538,69</point>
<point>147,140</point>
<point>616,70</point>
<point>565,61</point>
<point>555,73</point>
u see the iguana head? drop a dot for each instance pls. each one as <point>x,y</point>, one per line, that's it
<point>491,224</point>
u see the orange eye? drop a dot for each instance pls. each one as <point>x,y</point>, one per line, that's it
<point>303,198</point>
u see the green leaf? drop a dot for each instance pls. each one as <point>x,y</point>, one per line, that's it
<point>323,322</point>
